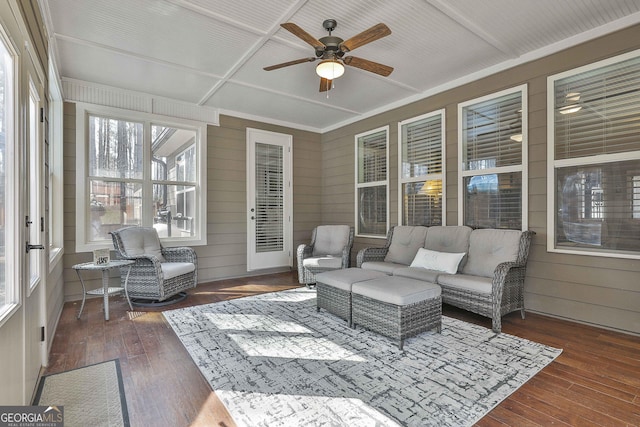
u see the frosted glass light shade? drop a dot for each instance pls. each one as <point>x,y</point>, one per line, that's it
<point>330,69</point>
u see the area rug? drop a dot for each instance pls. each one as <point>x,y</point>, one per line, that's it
<point>274,360</point>
<point>91,396</point>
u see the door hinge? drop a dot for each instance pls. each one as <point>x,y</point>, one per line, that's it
<point>42,334</point>
<point>42,223</point>
<point>41,115</point>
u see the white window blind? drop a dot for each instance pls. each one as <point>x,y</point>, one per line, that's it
<point>596,111</point>
<point>492,132</point>
<point>595,158</point>
<point>372,182</point>
<point>492,148</point>
<point>421,170</point>
<point>372,158</point>
<point>269,198</point>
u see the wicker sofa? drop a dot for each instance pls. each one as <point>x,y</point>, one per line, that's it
<point>487,278</point>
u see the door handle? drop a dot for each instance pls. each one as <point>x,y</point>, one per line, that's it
<point>30,247</point>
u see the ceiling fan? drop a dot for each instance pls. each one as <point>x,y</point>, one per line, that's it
<point>330,50</point>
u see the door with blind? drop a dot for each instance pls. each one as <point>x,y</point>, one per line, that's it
<point>269,200</point>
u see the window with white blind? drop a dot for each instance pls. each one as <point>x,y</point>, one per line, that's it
<point>492,146</point>
<point>138,169</point>
<point>421,170</point>
<point>372,183</point>
<point>594,159</point>
<point>270,197</point>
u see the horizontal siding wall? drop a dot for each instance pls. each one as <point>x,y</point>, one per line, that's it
<point>596,290</point>
<point>225,254</point>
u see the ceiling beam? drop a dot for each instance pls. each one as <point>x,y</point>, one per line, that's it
<point>466,23</point>
<point>252,51</point>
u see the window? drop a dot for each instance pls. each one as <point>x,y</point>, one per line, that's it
<point>54,168</point>
<point>421,169</point>
<point>594,159</point>
<point>140,171</point>
<point>372,183</point>
<point>492,181</point>
<point>9,291</point>
<point>34,202</point>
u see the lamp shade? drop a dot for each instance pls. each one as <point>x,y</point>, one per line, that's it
<point>330,69</point>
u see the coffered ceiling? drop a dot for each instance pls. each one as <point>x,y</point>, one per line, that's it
<point>212,52</point>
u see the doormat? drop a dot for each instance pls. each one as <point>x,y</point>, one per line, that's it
<point>91,396</point>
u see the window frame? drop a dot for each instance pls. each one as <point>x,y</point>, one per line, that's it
<point>358,185</point>
<point>56,173</point>
<point>13,225</point>
<point>83,111</point>
<point>440,176</point>
<point>595,160</point>
<point>522,167</point>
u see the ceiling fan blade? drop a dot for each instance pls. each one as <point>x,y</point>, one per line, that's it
<point>302,34</point>
<point>365,64</point>
<point>325,84</point>
<point>367,36</point>
<point>286,64</point>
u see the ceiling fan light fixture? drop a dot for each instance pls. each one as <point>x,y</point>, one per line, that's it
<point>330,69</point>
<point>570,109</point>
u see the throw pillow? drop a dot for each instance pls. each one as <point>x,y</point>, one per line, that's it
<point>440,261</point>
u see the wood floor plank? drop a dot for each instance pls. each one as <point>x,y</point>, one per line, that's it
<point>595,381</point>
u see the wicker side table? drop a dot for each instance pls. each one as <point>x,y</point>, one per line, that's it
<point>106,290</point>
<point>397,307</point>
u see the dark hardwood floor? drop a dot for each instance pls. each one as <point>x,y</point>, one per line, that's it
<point>595,382</point>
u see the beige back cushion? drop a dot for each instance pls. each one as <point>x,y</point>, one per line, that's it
<point>331,239</point>
<point>488,248</point>
<point>405,242</point>
<point>141,241</point>
<point>452,238</point>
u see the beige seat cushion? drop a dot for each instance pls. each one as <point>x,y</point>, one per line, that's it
<point>397,290</point>
<point>344,279</point>
<point>175,269</point>
<point>464,281</point>
<point>328,261</point>
<point>418,273</point>
<point>384,267</point>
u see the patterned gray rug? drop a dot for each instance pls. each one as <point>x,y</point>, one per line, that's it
<point>274,361</point>
<point>92,395</point>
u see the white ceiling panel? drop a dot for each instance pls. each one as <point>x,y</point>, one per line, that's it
<point>127,72</point>
<point>525,26</point>
<point>254,102</point>
<point>260,15</point>
<point>154,29</point>
<point>212,52</point>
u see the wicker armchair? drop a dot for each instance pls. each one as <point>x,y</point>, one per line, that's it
<point>159,275</point>
<point>330,249</point>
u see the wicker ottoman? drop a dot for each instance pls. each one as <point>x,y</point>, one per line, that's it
<point>397,307</point>
<point>333,289</point>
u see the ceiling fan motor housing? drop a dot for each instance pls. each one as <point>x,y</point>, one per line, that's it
<point>332,47</point>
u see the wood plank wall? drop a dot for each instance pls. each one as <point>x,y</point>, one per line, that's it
<point>596,290</point>
<point>225,254</point>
